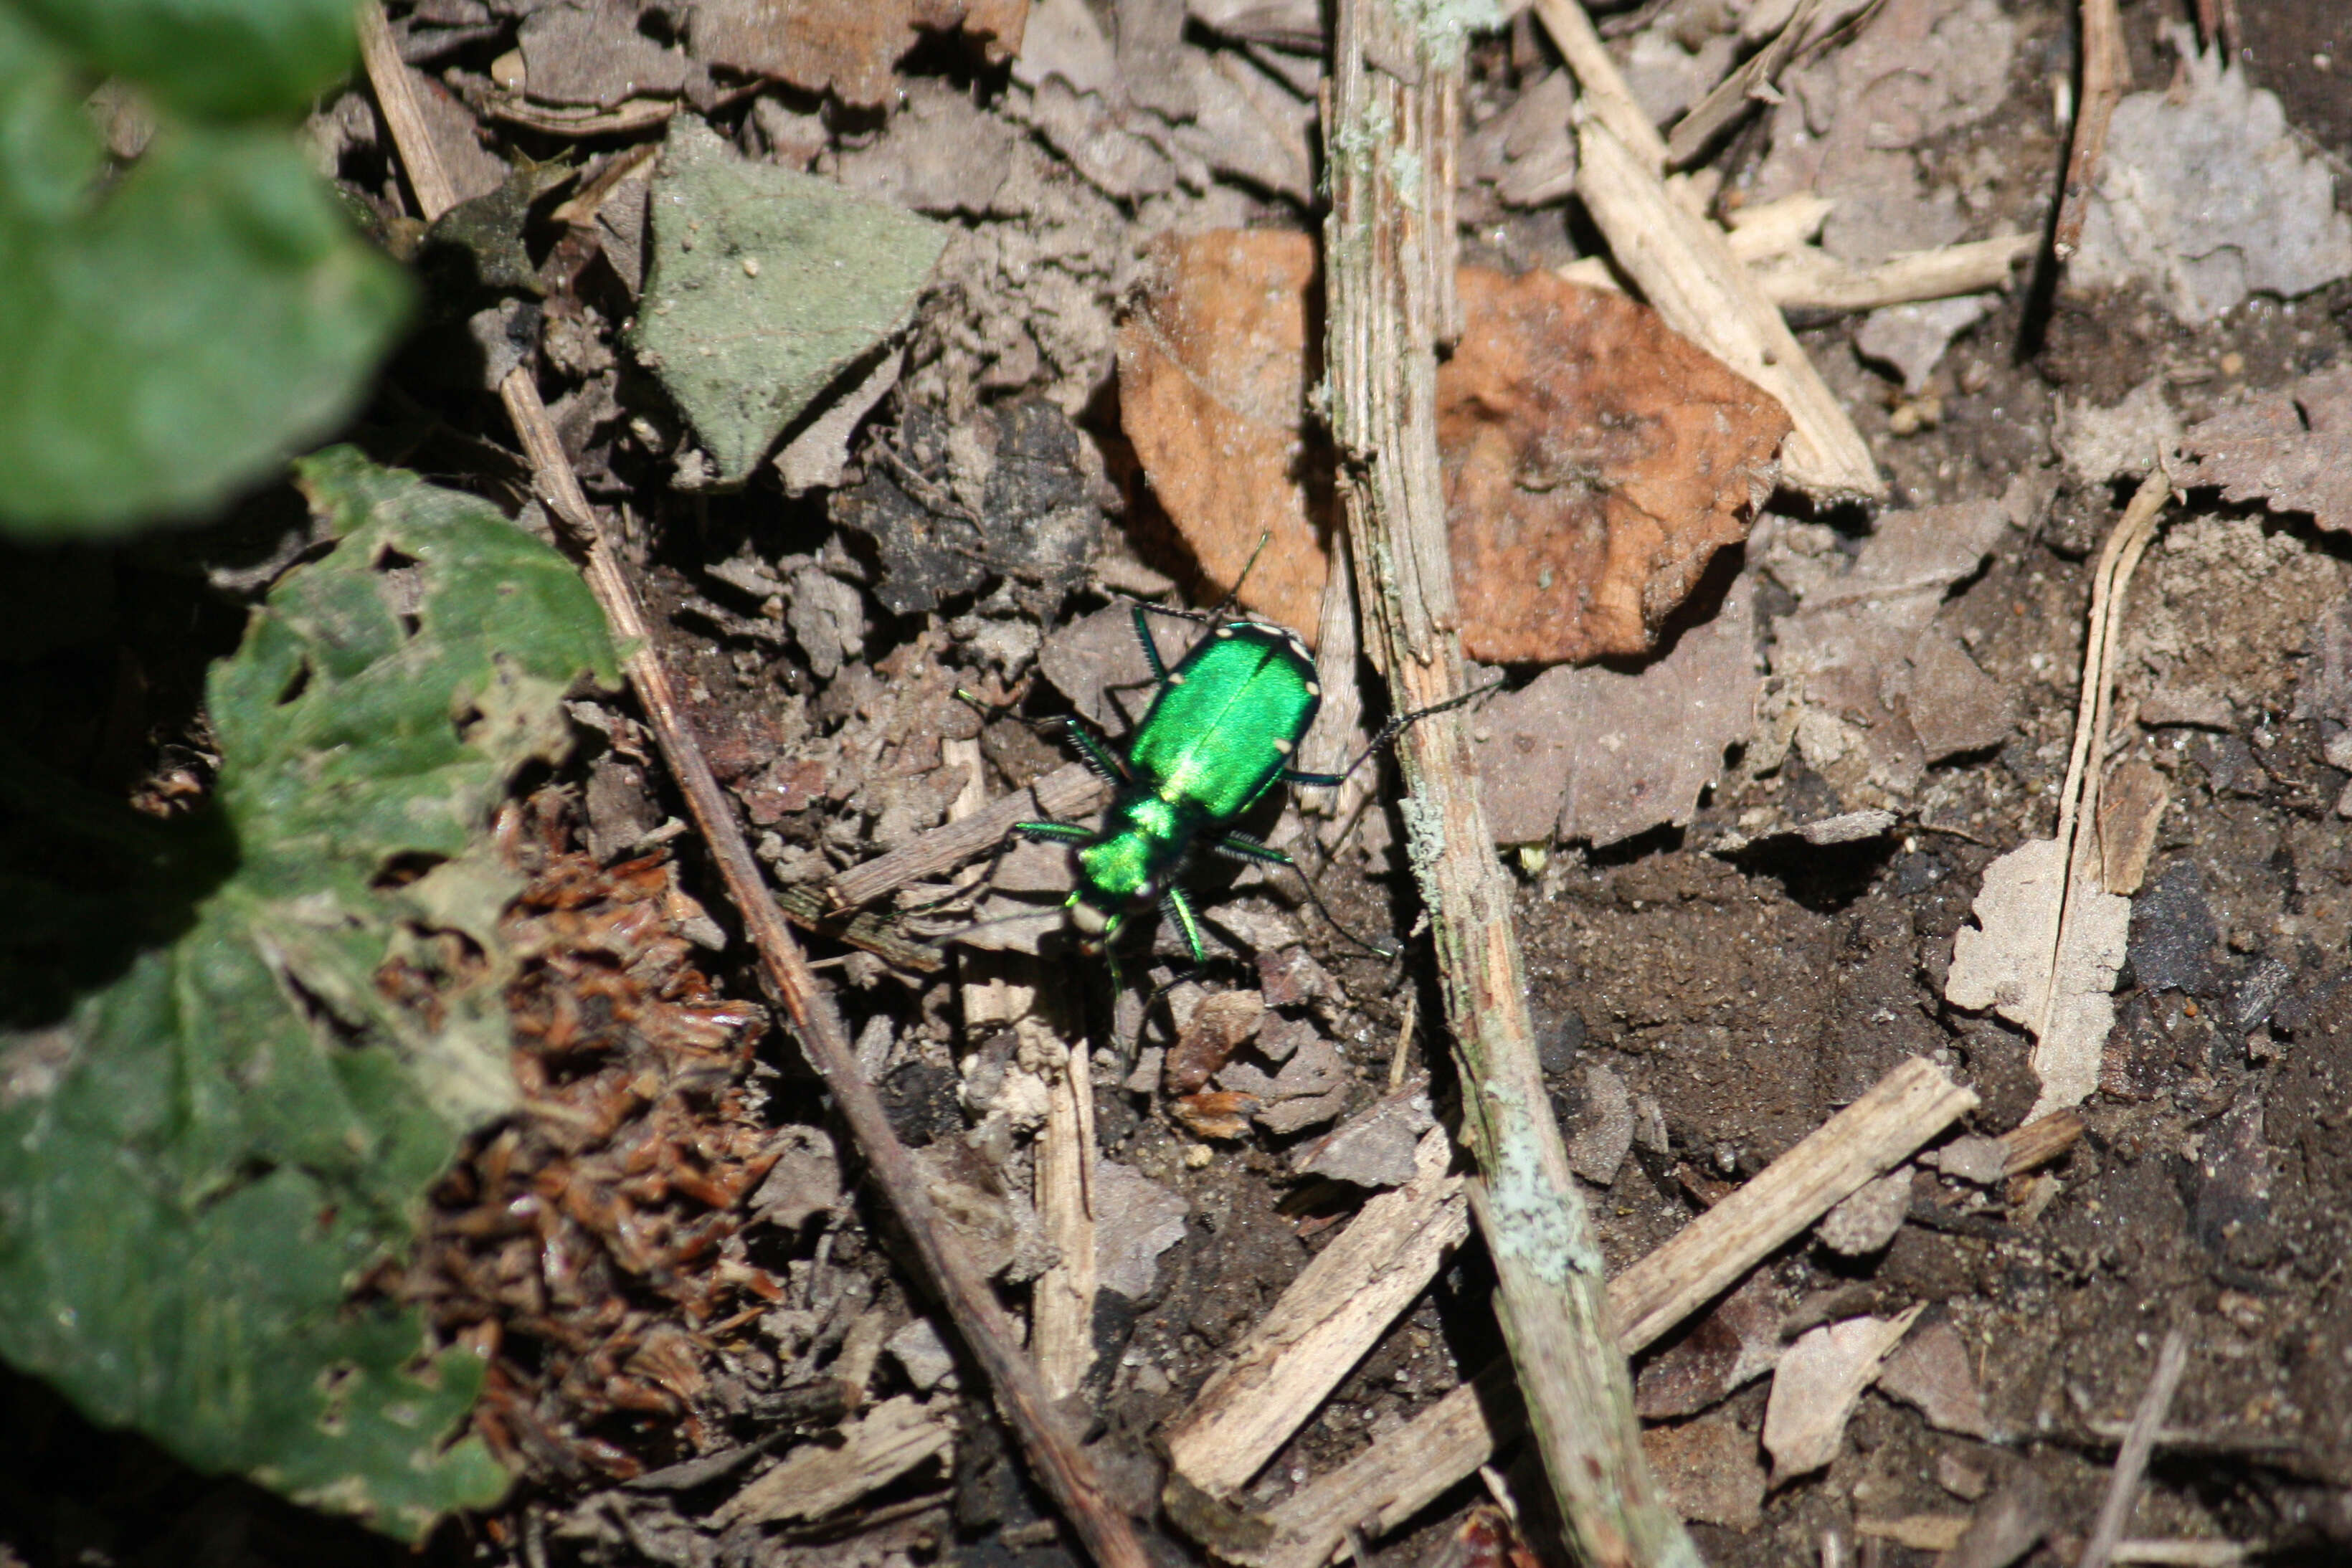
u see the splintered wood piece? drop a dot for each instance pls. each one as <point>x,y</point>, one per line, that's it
<point>1403,1473</point>
<point>1062,1310</point>
<point>1335,1312</point>
<point>1069,791</point>
<point>1683,266</point>
<point>814,1479</point>
<point>1810,278</point>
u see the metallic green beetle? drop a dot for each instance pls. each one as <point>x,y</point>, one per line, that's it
<point>1221,730</point>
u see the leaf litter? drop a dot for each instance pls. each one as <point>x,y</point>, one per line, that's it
<point>824,661</point>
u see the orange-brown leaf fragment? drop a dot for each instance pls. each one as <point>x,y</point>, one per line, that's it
<point>1594,460</point>
<point>1212,376</point>
<point>847,47</point>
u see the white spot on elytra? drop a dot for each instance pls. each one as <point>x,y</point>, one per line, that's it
<point>1283,746</point>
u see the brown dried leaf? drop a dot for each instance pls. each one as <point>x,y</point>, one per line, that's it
<point>1219,1027</point>
<point>1212,376</point>
<point>2290,448</point>
<point>1594,461</point>
<point>849,48</point>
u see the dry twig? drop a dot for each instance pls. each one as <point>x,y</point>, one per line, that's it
<point>1750,84</point>
<point>1061,1464</point>
<point>1684,267</point>
<point>2106,71</point>
<point>1403,1471</point>
<point>2131,1459</point>
<point>1269,1384</point>
<point>2078,798</point>
<point>1389,262</point>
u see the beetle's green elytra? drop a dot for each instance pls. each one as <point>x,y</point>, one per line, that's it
<point>1222,728</point>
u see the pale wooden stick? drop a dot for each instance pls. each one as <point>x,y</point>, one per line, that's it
<point>1062,1310</point>
<point>2106,71</point>
<point>428,181</point>
<point>1403,1473</point>
<point>1388,259</point>
<point>1812,278</point>
<point>1069,790</point>
<point>1336,1311</point>
<point>1684,267</point>
<point>2131,1459</point>
<point>2078,797</point>
<point>1061,1464</point>
<point>1600,84</point>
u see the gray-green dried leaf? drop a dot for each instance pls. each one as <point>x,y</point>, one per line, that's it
<point>765,286</point>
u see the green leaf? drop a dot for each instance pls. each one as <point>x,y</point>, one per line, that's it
<point>225,57</point>
<point>172,337</point>
<point>201,1157</point>
<point>765,286</point>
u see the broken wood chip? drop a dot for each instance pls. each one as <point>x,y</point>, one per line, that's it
<point>1867,1221</point>
<point>815,1480</point>
<point>1374,1148</point>
<point>1817,1385</point>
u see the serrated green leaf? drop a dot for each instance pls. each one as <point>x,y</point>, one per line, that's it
<point>765,286</point>
<point>229,57</point>
<point>169,338</point>
<point>201,1157</point>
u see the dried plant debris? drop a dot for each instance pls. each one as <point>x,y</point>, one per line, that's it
<point>2291,448</point>
<point>1872,690</point>
<point>2005,962</point>
<point>1736,1343</point>
<point>592,1249</point>
<point>1818,1383</point>
<point>764,288</point>
<point>1917,70</point>
<point>1599,753</point>
<point>1015,491</point>
<point>2100,444</point>
<point>2206,197</point>
<point>1525,152</point>
<point>1213,366</point>
<point>1913,338</point>
<point>1931,1373</point>
<point>599,53</point>
<point>1595,462</point>
<point>847,50</point>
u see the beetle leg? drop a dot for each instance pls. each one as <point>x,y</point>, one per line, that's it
<point>1318,780</point>
<point>1250,847</point>
<point>1101,760</point>
<point>1150,649</point>
<point>1177,906</point>
<point>1244,847</point>
<point>1049,832</point>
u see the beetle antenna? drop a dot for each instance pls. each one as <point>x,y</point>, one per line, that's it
<point>1397,726</point>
